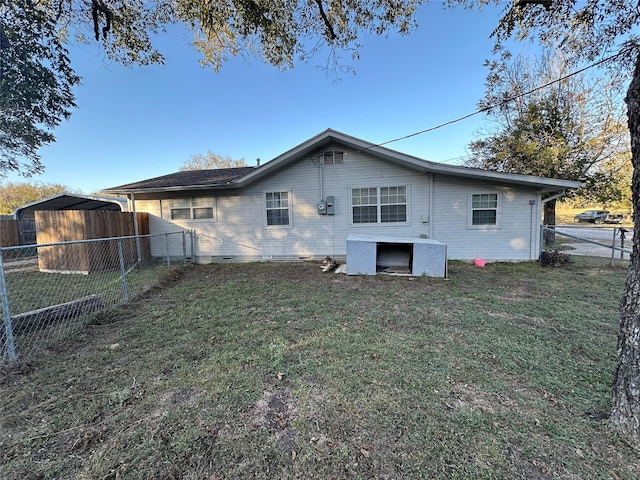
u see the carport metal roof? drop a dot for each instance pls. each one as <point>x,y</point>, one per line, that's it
<point>66,201</point>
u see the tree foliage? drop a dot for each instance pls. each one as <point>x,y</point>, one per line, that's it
<point>36,82</point>
<point>211,161</point>
<point>14,195</point>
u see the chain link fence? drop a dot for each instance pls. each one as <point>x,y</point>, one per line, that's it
<point>592,246</point>
<point>50,291</point>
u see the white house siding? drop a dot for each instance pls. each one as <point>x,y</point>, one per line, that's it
<point>516,237</point>
<point>240,232</point>
<point>157,225</point>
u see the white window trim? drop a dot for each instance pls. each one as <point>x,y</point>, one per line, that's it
<point>289,207</point>
<point>165,208</point>
<point>379,223</point>
<point>498,223</point>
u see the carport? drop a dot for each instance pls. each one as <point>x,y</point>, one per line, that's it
<point>25,215</point>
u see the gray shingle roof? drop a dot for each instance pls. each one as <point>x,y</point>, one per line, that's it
<point>187,178</point>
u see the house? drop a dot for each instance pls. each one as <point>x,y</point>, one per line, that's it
<point>304,204</point>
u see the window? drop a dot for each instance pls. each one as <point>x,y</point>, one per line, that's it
<point>333,157</point>
<point>278,207</point>
<point>379,205</point>
<point>484,209</point>
<point>196,208</point>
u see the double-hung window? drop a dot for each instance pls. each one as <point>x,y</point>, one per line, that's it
<point>194,208</point>
<point>379,204</point>
<point>484,209</point>
<point>278,208</point>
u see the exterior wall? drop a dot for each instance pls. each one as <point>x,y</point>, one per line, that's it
<point>158,225</point>
<point>516,237</point>
<point>238,231</point>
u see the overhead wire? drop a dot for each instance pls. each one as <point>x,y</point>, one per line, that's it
<point>503,102</point>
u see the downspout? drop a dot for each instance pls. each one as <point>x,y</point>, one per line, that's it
<point>430,208</point>
<point>321,175</point>
<point>533,245</point>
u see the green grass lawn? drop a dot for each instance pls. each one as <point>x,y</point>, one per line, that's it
<point>279,371</point>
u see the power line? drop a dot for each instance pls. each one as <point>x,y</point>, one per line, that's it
<point>503,102</point>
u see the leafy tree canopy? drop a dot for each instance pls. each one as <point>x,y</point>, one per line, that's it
<point>211,161</point>
<point>36,83</point>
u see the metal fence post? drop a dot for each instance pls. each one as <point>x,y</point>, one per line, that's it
<point>184,248</point>
<point>6,313</point>
<point>125,288</point>
<point>166,244</point>
<point>613,247</point>
<point>193,246</point>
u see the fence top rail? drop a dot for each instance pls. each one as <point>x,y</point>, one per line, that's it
<point>547,228</point>
<point>608,226</point>
<point>91,240</point>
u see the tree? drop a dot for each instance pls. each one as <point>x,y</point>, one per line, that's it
<point>14,195</point>
<point>571,130</point>
<point>606,32</point>
<point>211,161</point>
<point>614,189</point>
<point>36,82</point>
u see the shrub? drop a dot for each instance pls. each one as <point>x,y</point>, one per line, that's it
<point>554,258</point>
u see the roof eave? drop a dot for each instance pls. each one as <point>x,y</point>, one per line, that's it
<point>178,188</point>
<point>542,183</point>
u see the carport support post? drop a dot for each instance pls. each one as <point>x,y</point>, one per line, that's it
<point>6,313</point>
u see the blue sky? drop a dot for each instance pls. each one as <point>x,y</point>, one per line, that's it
<point>141,122</point>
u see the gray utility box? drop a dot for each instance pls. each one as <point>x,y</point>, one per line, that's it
<point>373,254</point>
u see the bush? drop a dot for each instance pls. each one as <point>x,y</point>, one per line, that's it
<point>554,258</point>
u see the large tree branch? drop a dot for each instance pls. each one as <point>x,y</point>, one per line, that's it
<point>97,8</point>
<point>330,32</point>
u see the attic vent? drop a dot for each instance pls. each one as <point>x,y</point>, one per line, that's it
<point>333,157</point>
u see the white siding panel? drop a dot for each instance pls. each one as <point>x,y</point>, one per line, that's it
<point>516,237</point>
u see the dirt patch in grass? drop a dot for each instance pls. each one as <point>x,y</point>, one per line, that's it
<point>275,412</point>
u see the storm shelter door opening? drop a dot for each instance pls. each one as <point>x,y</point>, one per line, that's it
<point>394,258</point>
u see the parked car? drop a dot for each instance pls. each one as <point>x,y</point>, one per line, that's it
<point>591,216</point>
<point>615,218</point>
